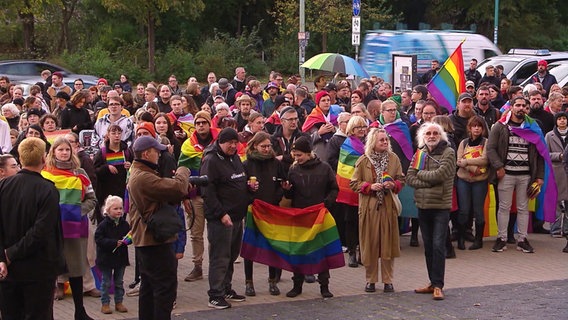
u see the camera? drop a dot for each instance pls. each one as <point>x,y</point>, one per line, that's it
<point>199,181</point>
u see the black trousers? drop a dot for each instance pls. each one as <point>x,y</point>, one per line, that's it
<point>158,281</point>
<point>29,300</point>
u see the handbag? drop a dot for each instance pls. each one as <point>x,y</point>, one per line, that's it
<point>164,223</point>
<point>397,203</point>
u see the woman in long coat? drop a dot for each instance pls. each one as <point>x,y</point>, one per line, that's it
<point>377,177</point>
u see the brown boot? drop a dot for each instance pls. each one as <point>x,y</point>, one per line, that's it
<point>195,274</point>
<point>106,309</point>
<point>120,307</point>
<point>59,291</point>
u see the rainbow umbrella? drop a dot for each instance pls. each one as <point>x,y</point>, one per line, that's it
<point>335,62</point>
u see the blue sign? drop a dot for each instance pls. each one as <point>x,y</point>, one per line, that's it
<point>356,7</point>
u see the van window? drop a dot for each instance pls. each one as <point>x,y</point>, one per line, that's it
<point>489,53</point>
<point>524,72</point>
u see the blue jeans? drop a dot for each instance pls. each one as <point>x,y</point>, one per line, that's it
<point>434,227</point>
<point>471,195</point>
<point>117,277</point>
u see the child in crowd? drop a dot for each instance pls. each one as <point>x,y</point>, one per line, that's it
<point>112,253</point>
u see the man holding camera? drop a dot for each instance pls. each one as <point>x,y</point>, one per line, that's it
<point>226,201</point>
<point>158,263</point>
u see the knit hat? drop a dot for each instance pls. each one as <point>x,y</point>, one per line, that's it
<point>204,115</point>
<point>320,95</point>
<point>36,112</point>
<point>227,134</point>
<point>397,99</point>
<point>103,80</point>
<point>148,126</point>
<point>302,144</point>
<point>280,99</point>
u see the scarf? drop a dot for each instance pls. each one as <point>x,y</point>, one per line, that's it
<point>562,135</point>
<point>380,161</point>
<point>255,155</point>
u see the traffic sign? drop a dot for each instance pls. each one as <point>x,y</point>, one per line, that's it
<point>355,39</point>
<point>356,7</point>
<point>356,25</point>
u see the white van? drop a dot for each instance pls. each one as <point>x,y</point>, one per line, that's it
<point>380,45</point>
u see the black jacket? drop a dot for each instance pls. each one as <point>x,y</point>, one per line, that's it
<point>545,119</point>
<point>71,117</point>
<point>109,183</point>
<point>106,237</point>
<point>227,191</point>
<point>312,183</point>
<point>282,146</point>
<point>30,227</point>
<point>269,173</point>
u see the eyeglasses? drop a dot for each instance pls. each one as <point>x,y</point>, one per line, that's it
<point>360,128</point>
<point>199,123</point>
<point>265,146</point>
<point>390,110</point>
<point>114,104</point>
<point>414,91</point>
<point>432,133</point>
<point>428,113</point>
<point>290,119</point>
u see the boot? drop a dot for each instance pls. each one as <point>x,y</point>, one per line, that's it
<point>273,288</point>
<point>60,291</point>
<point>195,274</point>
<point>121,308</point>
<point>105,308</point>
<point>461,236</point>
<point>324,290</point>
<point>249,288</point>
<point>414,233</point>
<point>450,252</point>
<point>478,242</point>
<point>81,314</point>
<point>296,290</point>
<point>352,262</point>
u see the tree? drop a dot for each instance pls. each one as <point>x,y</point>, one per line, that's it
<point>148,12</point>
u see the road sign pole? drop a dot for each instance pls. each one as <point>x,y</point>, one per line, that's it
<point>302,42</point>
<point>356,27</point>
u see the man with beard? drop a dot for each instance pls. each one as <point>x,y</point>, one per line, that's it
<point>484,108</point>
<point>245,104</point>
<point>472,74</point>
<point>428,75</point>
<point>343,97</point>
<point>238,81</point>
<point>461,116</point>
<point>545,119</point>
<point>285,136</point>
<point>517,163</point>
<point>164,99</point>
<point>543,76</point>
<point>268,104</point>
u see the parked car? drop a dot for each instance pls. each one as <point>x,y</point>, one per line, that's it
<point>521,64</point>
<point>17,70</point>
<point>559,70</point>
<point>28,82</point>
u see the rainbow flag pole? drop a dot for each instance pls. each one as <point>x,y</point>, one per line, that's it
<point>446,86</point>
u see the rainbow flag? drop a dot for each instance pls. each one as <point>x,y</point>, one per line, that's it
<point>186,124</point>
<point>192,152</point>
<point>387,177</point>
<point>71,193</point>
<point>51,136</point>
<point>115,158</point>
<point>399,131</point>
<point>317,116</point>
<point>127,240</point>
<point>351,150</point>
<point>298,240</point>
<point>419,160</point>
<point>449,82</point>
<point>545,206</point>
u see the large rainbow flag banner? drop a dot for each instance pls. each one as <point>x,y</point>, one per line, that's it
<point>351,150</point>
<point>449,82</point>
<point>298,240</point>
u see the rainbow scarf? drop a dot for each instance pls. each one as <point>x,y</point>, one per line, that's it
<point>192,152</point>
<point>351,150</point>
<point>419,160</point>
<point>317,116</point>
<point>72,188</point>
<point>115,158</point>
<point>546,200</point>
<point>184,122</point>
<point>298,240</point>
<point>398,130</point>
<point>51,136</point>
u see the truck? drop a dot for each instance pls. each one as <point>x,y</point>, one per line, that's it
<point>379,46</point>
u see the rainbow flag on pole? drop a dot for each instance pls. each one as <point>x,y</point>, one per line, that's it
<point>298,240</point>
<point>449,82</point>
<point>419,160</point>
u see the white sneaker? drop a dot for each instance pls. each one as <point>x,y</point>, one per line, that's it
<point>134,291</point>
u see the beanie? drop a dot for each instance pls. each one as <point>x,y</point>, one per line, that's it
<point>148,126</point>
<point>320,95</point>
<point>204,115</point>
<point>227,134</point>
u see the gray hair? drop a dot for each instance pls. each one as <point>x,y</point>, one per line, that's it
<point>372,140</point>
<point>12,107</point>
<point>422,133</point>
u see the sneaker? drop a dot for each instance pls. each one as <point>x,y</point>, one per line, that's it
<point>233,296</point>
<point>218,303</point>
<point>525,246</point>
<point>499,245</point>
<point>134,291</point>
<point>133,284</point>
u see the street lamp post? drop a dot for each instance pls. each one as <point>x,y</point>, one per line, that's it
<point>496,26</point>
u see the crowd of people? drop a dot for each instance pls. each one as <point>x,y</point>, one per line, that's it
<point>383,162</point>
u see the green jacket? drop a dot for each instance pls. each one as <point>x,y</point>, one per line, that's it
<point>433,185</point>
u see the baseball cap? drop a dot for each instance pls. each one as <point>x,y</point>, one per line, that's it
<point>469,83</point>
<point>145,142</point>
<point>543,63</point>
<point>464,96</point>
